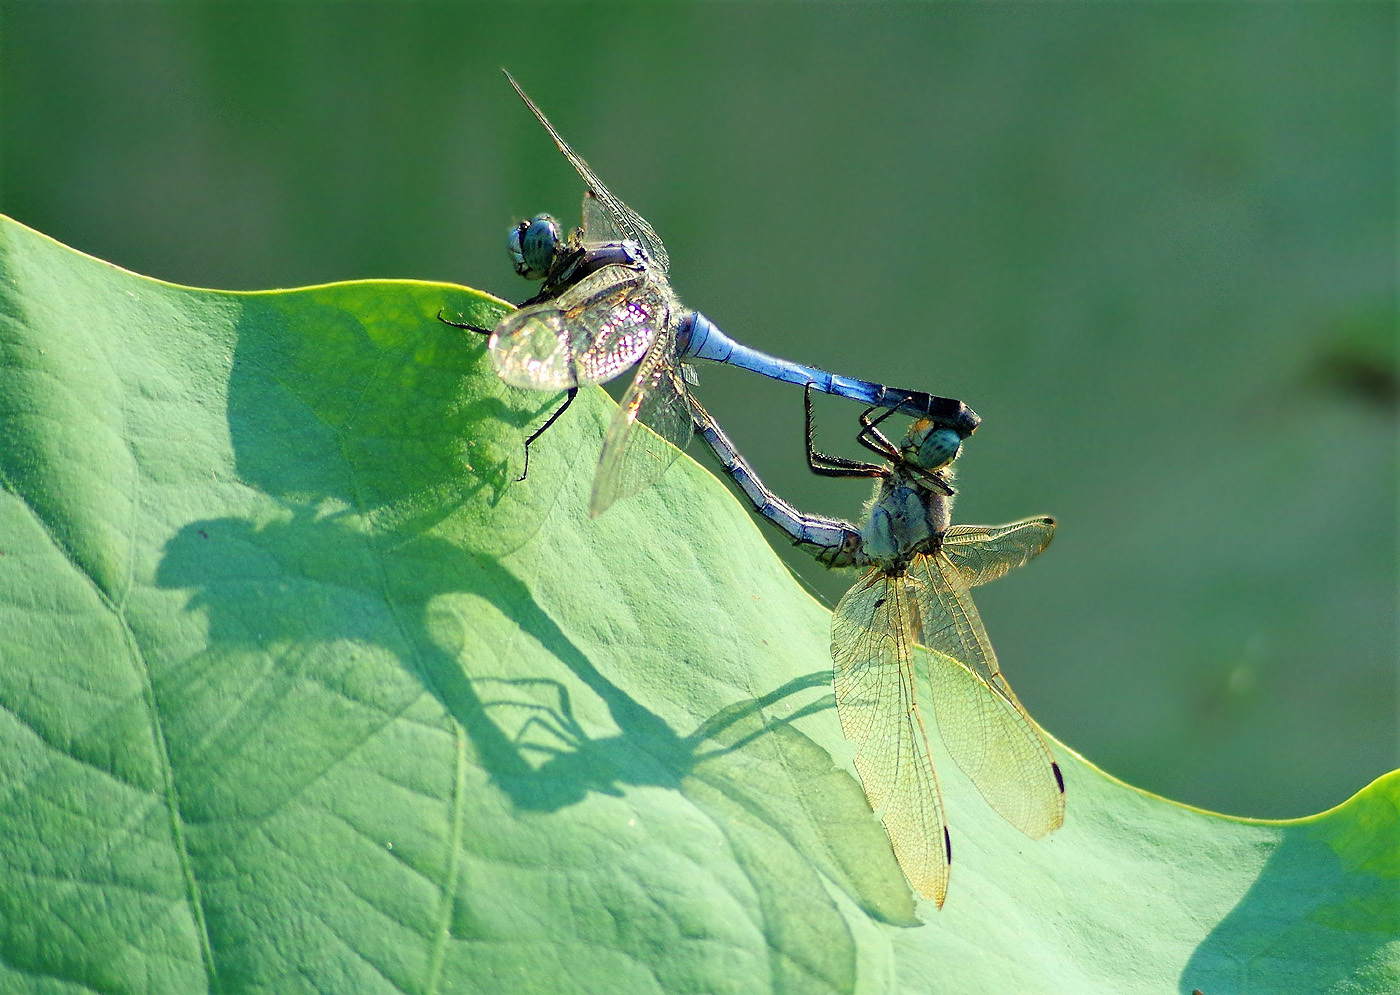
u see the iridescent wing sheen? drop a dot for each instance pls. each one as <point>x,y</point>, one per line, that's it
<point>651,426</point>
<point>983,553</point>
<point>984,727</point>
<point>872,638</point>
<point>616,220</point>
<point>590,333</point>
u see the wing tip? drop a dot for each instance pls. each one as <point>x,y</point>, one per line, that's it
<point>598,504</point>
<point>512,81</point>
<point>935,889</point>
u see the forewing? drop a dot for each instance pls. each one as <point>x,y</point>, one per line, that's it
<point>872,639</point>
<point>590,333</point>
<point>613,220</point>
<point>982,553</point>
<point>987,732</point>
<point>651,426</point>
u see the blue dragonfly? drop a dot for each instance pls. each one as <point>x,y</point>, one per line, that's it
<point>919,570</point>
<point>606,305</point>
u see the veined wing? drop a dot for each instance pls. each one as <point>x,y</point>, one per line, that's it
<point>982,553</point>
<point>651,426</point>
<point>872,640</point>
<point>590,333</point>
<point>984,727</point>
<point>616,221</point>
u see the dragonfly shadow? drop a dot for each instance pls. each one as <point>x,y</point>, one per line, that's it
<point>569,762</point>
<point>550,732</point>
<point>363,604</point>
<point>308,592</point>
<point>312,580</point>
<point>415,409</point>
<point>646,751</point>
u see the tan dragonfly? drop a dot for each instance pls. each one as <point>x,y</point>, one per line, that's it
<point>916,588</point>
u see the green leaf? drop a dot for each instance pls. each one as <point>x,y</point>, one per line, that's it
<point>301,690</point>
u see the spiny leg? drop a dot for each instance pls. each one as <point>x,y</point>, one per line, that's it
<point>835,466</point>
<point>466,325</point>
<point>870,435</point>
<point>569,395</point>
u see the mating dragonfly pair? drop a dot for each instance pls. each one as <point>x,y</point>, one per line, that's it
<point>605,306</point>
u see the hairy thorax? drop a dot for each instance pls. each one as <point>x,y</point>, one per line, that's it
<point>904,518</point>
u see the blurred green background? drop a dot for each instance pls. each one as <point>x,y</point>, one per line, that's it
<point>1153,245</point>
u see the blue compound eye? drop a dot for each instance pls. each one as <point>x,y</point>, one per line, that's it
<point>533,245</point>
<point>937,448</point>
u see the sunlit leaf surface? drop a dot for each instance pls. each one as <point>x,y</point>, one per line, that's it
<point>301,691</point>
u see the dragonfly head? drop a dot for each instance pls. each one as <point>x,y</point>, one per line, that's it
<point>928,453</point>
<point>929,447</point>
<point>534,244</point>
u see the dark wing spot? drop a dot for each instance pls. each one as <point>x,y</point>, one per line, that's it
<point>1059,778</point>
<point>947,844</point>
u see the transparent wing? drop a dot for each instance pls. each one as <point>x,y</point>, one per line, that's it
<point>590,333</point>
<point>872,639</point>
<point>984,727</point>
<point>609,219</point>
<point>651,426</point>
<point>599,223</point>
<point>982,553</point>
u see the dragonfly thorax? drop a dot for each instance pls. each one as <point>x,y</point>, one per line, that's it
<point>905,517</point>
<point>535,245</point>
<point>913,502</point>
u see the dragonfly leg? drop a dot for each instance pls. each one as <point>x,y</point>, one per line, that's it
<point>870,435</point>
<point>569,396</point>
<point>835,466</point>
<point>872,438</point>
<point>462,324</point>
